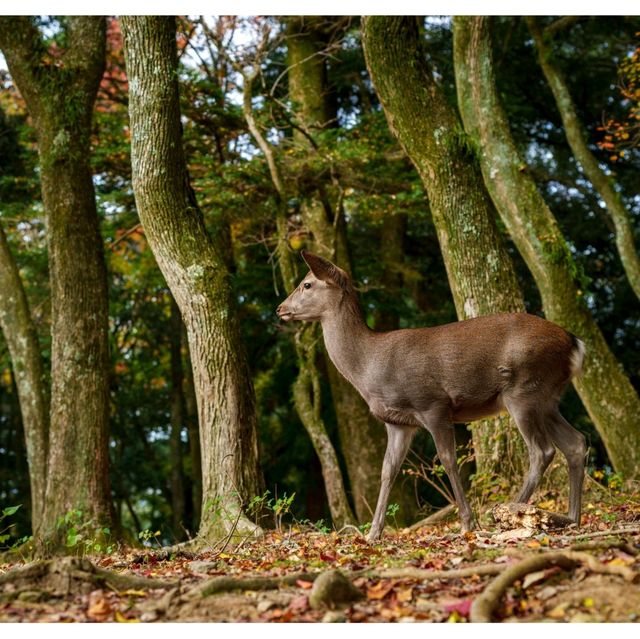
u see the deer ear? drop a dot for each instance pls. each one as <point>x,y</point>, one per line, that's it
<point>324,270</point>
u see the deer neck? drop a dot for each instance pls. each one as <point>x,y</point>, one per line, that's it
<point>347,338</point>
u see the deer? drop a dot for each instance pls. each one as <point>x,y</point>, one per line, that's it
<point>434,377</point>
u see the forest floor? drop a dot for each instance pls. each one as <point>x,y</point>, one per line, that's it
<point>433,574</point>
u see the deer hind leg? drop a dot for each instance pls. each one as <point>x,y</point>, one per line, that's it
<point>573,446</point>
<point>398,442</point>
<point>531,424</point>
<point>443,434</point>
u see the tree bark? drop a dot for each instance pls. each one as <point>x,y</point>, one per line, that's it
<point>576,137</point>
<point>362,438</point>
<point>194,268</point>
<point>191,408</point>
<point>60,100</point>
<point>611,401</point>
<point>22,339</point>
<point>177,422</point>
<point>480,272</point>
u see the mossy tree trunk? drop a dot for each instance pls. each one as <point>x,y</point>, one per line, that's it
<point>21,336</point>
<point>194,267</point>
<point>576,137</point>
<point>479,269</point>
<point>60,100</point>
<point>362,437</point>
<point>306,388</point>
<point>605,390</point>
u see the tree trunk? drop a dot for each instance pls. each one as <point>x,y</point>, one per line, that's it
<point>60,100</point>
<point>28,371</point>
<point>191,408</point>
<point>306,388</point>
<point>479,269</point>
<point>362,438</point>
<point>605,390</point>
<point>193,266</point>
<point>603,184</point>
<point>177,422</point>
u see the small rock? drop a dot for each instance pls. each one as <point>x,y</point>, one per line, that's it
<point>149,616</point>
<point>264,605</point>
<point>333,616</point>
<point>202,566</point>
<point>582,617</point>
<point>332,589</point>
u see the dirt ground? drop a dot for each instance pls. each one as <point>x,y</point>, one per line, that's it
<point>433,574</point>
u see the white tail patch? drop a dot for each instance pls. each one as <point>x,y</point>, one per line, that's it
<point>577,357</point>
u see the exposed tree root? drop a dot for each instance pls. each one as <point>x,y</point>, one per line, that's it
<point>227,584</point>
<point>600,533</point>
<point>430,575</point>
<point>486,603</point>
<point>71,575</point>
<point>619,544</point>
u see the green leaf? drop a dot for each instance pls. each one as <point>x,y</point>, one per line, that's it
<point>11,510</point>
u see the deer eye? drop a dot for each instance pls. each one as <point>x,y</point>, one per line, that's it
<point>307,285</point>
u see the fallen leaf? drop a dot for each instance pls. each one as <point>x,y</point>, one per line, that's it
<point>559,611</point>
<point>379,590</point>
<point>120,618</point>
<point>404,595</point>
<point>462,607</point>
<point>99,608</point>
<point>307,585</point>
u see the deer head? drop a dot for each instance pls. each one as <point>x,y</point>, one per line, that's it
<point>319,294</point>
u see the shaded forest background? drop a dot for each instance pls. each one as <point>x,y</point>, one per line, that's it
<point>356,165</point>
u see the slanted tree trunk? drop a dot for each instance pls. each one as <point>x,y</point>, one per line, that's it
<point>60,100</point>
<point>611,401</point>
<point>576,137</point>
<point>480,271</point>
<point>362,437</point>
<point>306,388</point>
<point>22,339</point>
<point>194,268</point>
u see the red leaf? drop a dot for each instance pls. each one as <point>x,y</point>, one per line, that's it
<point>462,607</point>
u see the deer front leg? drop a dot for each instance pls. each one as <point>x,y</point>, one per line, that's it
<point>398,442</point>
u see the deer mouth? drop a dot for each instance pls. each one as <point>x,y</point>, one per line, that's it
<point>284,315</point>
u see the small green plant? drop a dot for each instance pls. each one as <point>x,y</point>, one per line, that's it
<point>280,507</point>
<point>257,505</point>
<point>321,526</point>
<point>148,537</point>
<point>7,512</point>
<point>84,536</point>
<point>364,528</point>
<point>392,511</point>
